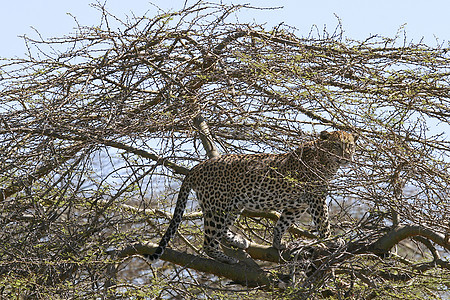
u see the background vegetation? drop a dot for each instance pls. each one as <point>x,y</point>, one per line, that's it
<point>95,139</point>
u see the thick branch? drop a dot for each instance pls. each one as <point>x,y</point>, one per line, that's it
<point>399,233</point>
<point>238,273</point>
<point>205,137</point>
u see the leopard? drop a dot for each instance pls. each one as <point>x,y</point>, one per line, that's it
<point>291,183</point>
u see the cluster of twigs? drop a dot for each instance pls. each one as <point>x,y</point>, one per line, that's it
<point>95,126</point>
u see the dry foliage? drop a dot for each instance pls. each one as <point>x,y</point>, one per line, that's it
<point>97,129</point>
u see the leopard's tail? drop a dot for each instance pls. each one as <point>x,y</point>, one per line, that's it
<point>174,223</point>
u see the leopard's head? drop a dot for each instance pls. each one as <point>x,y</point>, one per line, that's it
<point>340,145</point>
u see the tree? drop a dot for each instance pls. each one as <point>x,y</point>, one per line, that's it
<point>98,129</point>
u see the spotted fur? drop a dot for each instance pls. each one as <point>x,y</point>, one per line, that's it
<point>290,182</point>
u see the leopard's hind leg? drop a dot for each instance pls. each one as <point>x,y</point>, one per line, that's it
<point>215,228</point>
<point>232,238</point>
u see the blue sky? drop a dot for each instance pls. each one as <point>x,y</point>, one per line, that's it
<point>428,20</point>
<point>360,19</point>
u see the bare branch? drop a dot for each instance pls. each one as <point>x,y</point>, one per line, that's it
<point>401,232</point>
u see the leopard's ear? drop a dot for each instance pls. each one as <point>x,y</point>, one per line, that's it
<point>355,136</point>
<point>324,135</point>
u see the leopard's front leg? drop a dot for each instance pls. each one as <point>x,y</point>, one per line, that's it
<point>318,209</point>
<point>287,218</point>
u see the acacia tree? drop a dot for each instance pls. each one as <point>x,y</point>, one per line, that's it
<point>99,127</point>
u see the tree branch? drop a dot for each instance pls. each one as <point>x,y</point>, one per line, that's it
<point>238,273</point>
<point>205,137</point>
<point>19,185</point>
<point>114,144</point>
<point>401,232</point>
